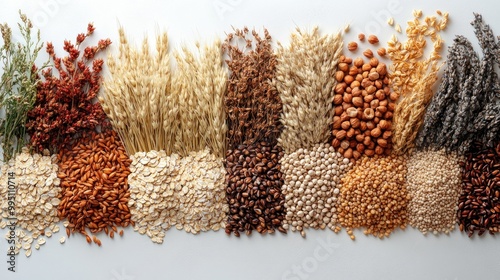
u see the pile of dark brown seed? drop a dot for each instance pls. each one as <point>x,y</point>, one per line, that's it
<point>479,204</point>
<point>254,189</point>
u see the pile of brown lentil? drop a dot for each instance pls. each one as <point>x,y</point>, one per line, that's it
<point>94,189</point>
<point>479,203</point>
<point>434,183</point>
<point>374,196</point>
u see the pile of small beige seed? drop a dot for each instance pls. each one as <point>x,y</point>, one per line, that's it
<point>36,202</point>
<point>434,184</point>
<point>312,183</point>
<point>166,191</point>
<point>374,196</point>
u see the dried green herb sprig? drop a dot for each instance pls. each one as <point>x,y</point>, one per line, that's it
<point>18,84</point>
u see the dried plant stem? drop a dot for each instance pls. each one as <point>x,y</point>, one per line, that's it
<point>199,85</point>
<point>304,80</point>
<point>138,97</point>
<point>413,77</point>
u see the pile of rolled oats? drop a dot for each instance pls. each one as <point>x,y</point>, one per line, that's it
<point>166,191</point>
<point>35,199</point>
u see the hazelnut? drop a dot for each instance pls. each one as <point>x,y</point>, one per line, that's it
<point>367,140</point>
<point>371,146</point>
<point>381,51</point>
<point>372,39</point>
<point>336,122</point>
<point>368,98</point>
<point>338,110</point>
<point>350,133</point>
<point>353,71</point>
<point>345,125</point>
<point>376,132</point>
<point>360,147</point>
<point>355,83</point>
<point>381,69</point>
<point>356,92</point>
<point>340,150</point>
<point>343,67</point>
<point>360,137</point>
<point>356,154</point>
<point>339,76</point>
<point>378,115</point>
<point>348,60</point>
<point>373,76</point>
<point>357,101</point>
<point>371,89</point>
<point>348,79</point>
<point>347,97</point>
<point>342,58</point>
<point>368,53</point>
<point>388,115</point>
<point>391,107</point>
<point>384,124</point>
<point>369,152</point>
<point>380,95</point>
<point>370,126</point>
<point>379,150</point>
<point>348,153</point>
<point>354,122</point>
<point>387,134</point>
<point>366,82</point>
<point>362,126</point>
<point>368,114</point>
<point>341,134</point>
<point>352,46</point>
<point>358,62</point>
<point>366,67</point>
<point>378,84</point>
<point>346,106</point>
<point>374,62</point>
<point>383,103</point>
<point>336,143</point>
<point>381,109</point>
<point>393,96</point>
<point>344,117</point>
<point>374,104</point>
<point>359,77</point>
<point>339,88</point>
<point>344,144</point>
<point>361,37</point>
<point>337,99</point>
<point>352,112</point>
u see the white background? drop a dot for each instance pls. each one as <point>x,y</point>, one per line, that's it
<point>405,255</point>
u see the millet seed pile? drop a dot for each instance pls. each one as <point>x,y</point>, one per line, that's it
<point>374,196</point>
<point>434,183</point>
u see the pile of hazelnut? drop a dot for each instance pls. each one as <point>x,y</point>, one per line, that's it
<point>364,106</point>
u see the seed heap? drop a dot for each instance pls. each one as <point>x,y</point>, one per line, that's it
<point>434,184</point>
<point>312,183</point>
<point>413,76</point>
<point>374,196</point>
<point>254,189</point>
<point>152,202</point>
<point>36,198</point>
<point>253,109</point>
<point>304,80</point>
<point>167,191</point>
<point>479,203</point>
<point>466,107</point>
<point>364,105</point>
<point>94,193</point>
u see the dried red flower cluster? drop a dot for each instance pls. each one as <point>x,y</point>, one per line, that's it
<point>65,105</point>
